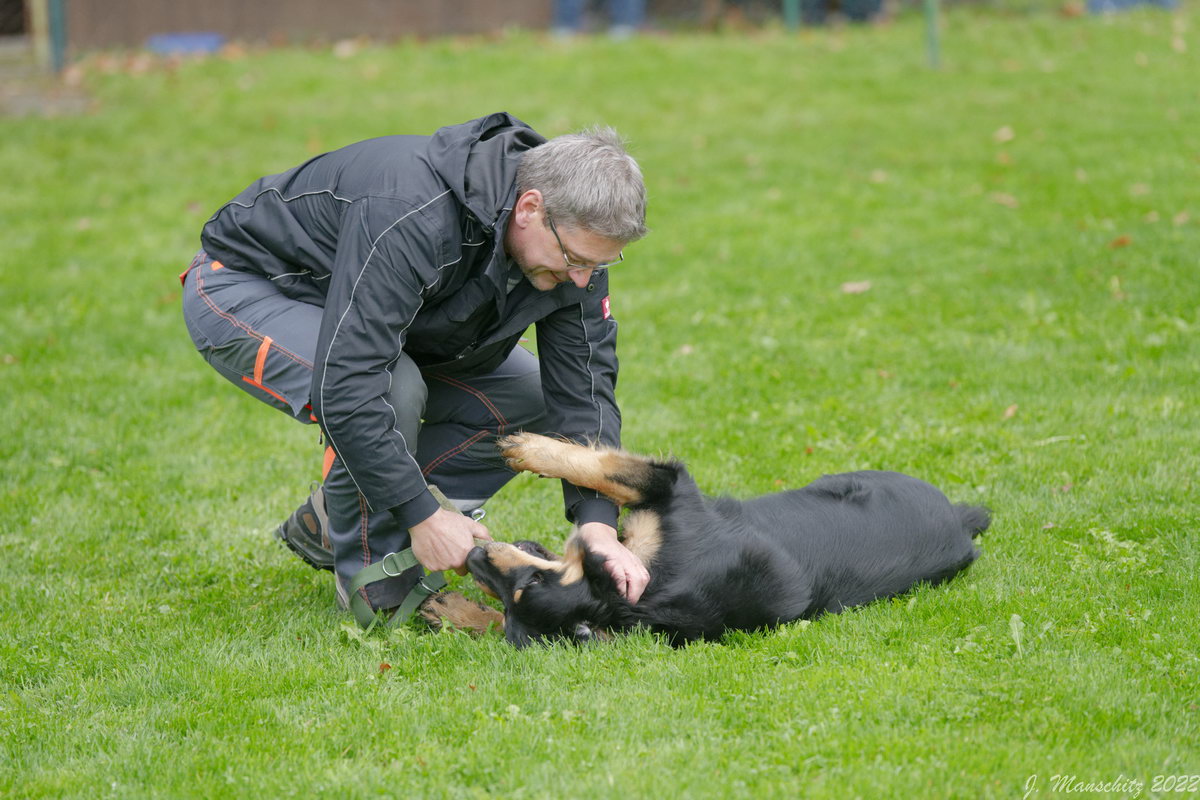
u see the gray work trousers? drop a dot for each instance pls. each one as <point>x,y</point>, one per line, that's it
<point>265,343</point>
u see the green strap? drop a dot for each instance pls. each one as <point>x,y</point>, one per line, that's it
<point>390,566</point>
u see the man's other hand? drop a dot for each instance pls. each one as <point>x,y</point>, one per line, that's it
<point>626,569</point>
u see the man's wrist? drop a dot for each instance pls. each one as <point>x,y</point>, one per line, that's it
<point>416,511</point>
<point>591,531</point>
<point>597,509</point>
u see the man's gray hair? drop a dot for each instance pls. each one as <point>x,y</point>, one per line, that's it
<point>588,182</point>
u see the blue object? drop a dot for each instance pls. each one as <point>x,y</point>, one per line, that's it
<point>626,15</point>
<point>185,43</point>
<point>1113,6</point>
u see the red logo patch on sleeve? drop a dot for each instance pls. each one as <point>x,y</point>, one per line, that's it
<point>606,308</point>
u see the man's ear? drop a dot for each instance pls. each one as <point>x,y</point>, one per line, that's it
<point>526,209</point>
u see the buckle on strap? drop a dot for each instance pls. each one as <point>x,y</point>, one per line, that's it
<point>383,564</point>
<point>390,566</point>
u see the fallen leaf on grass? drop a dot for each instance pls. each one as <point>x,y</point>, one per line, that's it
<point>1120,241</point>
<point>1181,218</point>
<point>856,287</point>
<point>1016,627</point>
<point>384,667</point>
<point>346,48</point>
<point>73,75</point>
<point>1004,199</point>
<point>1005,134</point>
<point>1009,412</point>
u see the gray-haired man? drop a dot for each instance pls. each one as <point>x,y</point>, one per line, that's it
<point>381,291</point>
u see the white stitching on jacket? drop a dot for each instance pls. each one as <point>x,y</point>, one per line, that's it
<point>274,189</point>
<point>592,377</point>
<point>338,327</point>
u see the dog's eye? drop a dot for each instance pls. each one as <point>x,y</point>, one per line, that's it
<point>536,578</point>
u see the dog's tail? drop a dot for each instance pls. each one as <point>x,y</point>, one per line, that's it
<point>974,519</point>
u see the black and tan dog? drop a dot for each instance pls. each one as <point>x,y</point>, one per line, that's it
<point>717,564</point>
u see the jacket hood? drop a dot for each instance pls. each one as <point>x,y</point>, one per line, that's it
<point>478,161</point>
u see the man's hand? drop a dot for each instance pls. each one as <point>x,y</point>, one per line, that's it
<point>443,540</point>
<point>626,569</point>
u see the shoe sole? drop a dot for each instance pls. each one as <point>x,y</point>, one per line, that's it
<point>322,559</point>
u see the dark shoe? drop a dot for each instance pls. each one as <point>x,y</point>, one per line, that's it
<point>304,532</point>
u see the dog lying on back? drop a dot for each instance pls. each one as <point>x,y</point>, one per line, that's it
<point>719,564</point>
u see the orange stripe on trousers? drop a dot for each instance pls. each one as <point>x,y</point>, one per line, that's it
<point>261,360</point>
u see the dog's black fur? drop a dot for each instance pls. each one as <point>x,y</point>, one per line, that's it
<point>722,564</point>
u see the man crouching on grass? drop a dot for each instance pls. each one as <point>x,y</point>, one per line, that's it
<point>381,290</point>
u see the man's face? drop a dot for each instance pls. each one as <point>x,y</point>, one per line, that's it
<point>540,255</point>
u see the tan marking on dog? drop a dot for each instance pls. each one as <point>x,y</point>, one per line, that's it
<point>643,535</point>
<point>457,610</point>
<point>517,595</point>
<point>590,467</point>
<point>506,558</point>
<point>572,559</point>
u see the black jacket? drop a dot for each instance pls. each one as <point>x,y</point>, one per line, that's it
<point>400,240</point>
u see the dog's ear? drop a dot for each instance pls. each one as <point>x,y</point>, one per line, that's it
<point>516,633</point>
<point>601,583</point>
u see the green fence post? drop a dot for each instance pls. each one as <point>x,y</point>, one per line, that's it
<point>932,45</point>
<point>57,19</point>
<point>791,14</point>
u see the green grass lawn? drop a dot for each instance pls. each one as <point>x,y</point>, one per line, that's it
<point>1028,222</point>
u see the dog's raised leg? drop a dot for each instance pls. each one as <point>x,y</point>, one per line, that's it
<point>621,476</point>
<point>460,612</point>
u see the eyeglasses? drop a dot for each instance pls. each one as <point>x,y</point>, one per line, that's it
<point>571,265</point>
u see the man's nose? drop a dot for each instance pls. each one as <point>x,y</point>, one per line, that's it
<point>580,277</point>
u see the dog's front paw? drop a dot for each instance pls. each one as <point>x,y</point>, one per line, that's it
<point>452,608</point>
<point>530,452</point>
